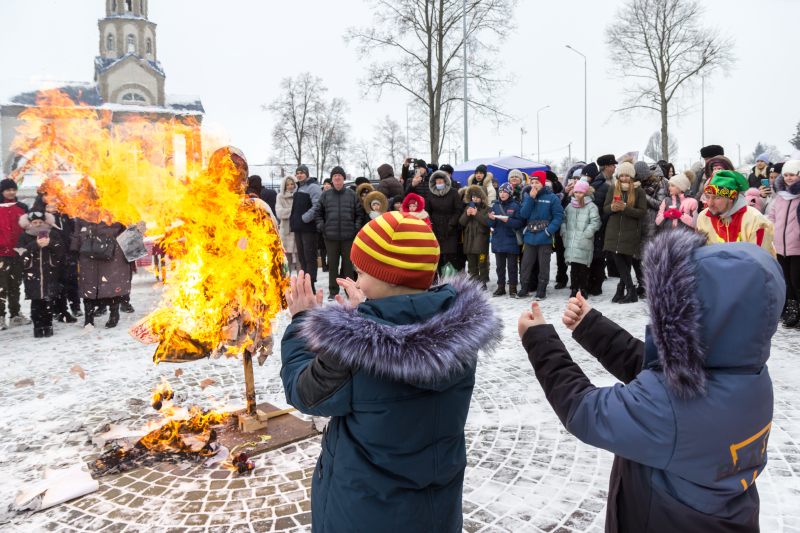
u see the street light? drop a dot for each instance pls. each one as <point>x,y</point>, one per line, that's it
<point>740,154</point>
<point>466,123</point>
<point>585,111</point>
<point>538,147</point>
<point>408,145</point>
<point>522,131</point>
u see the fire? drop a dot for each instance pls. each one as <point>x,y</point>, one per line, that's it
<point>190,434</point>
<point>229,281</point>
<point>161,394</point>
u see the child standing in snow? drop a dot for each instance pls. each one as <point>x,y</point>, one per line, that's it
<point>677,209</point>
<point>41,250</point>
<point>475,220</point>
<point>10,267</point>
<point>506,238</point>
<point>414,204</point>
<point>581,222</point>
<point>396,374</point>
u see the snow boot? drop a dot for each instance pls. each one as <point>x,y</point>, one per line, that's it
<point>512,291</point>
<point>48,331</point>
<point>113,316</point>
<point>541,292</point>
<point>620,294</point>
<point>501,290</point>
<point>88,317</point>
<point>38,333</point>
<point>641,292</point>
<point>67,318</point>
<point>561,285</point>
<point>631,297</point>
<point>794,315</point>
<point>126,307</point>
<point>523,293</point>
<point>584,293</point>
<point>76,309</point>
<point>573,293</point>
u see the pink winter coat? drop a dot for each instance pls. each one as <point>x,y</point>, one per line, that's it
<point>783,216</point>
<point>687,207</point>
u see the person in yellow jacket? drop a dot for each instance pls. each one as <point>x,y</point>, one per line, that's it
<point>728,218</point>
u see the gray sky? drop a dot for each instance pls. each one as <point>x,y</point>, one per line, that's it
<point>233,55</point>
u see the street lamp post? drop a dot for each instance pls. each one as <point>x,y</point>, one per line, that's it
<point>522,131</point>
<point>740,154</point>
<point>538,146</point>
<point>585,108</point>
<point>408,142</point>
<point>466,124</point>
<point>703,113</point>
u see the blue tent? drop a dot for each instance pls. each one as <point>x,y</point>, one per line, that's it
<point>498,166</point>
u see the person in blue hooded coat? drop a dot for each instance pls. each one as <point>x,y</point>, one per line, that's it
<point>505,225</point>
<point>395,373</point>
<point>689,423</point>
<point>543,214</point>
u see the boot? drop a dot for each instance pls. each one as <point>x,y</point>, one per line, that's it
<point>512,291</point>
<point>541,292</point>
<point>585,293</point>
<point>48,331</point>
<point>88,317</point>
<point>38,333</point>
<point>794,315</point>
<point>785,312</point>
<point>641,292</point>
<point>631,297</point>
<point>67,318</point>
<point>100,310</point>
<point>561,285</point>
<point>523,293</point>
<point>76,309</point>
<point>573,293</point>
<point>501,290</point>
<point>619,294</point>
<point>113,316</point>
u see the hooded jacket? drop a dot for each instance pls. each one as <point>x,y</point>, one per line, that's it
<point>476,227</point>
<point>283,211</point>
<point>338,214</point>
<point>689,423</point>
<point>444,207</point>
<point>420,213</point>
<point>546,206</point>
<point>306,198</point>
<point>389,185</point>
<point>40,266</point>
<point>577,231</point>
<point>786,236</point>
<point>486,185</point>
<point>504,236</point>
<point>10,230</point>
<point>396,376</point>
<point>367,205</point>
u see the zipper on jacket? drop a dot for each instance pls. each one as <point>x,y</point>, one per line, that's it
<point>785,224</point>
<point>41,274</point>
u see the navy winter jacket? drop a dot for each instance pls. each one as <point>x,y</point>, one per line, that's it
<point>306,197</point>
<point>546,206</point>
<point>396,377</point>
<point>690,421</point>
<point>504,238</point>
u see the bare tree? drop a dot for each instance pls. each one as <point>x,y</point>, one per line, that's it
<point>390,141</point>
<point>761,148</point>
<point>293,111</point>
<point>660,47</point>
<point>562,167</point>
<point>364,153</point>
<point>423,41</point>
<point>654,148</point>
<point>328,128</point>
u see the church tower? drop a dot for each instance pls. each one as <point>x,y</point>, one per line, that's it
<point>127,70</point>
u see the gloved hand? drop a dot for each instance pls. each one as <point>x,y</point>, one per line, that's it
<point>672,213</point>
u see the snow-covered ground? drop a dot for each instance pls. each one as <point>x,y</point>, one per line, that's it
<point>525,472</point>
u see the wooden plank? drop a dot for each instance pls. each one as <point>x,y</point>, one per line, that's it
<point>283,430</point>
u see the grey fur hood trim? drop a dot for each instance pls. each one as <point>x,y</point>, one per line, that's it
<point>675,311</point>
<point>448,183</point>
<point>432,351</point>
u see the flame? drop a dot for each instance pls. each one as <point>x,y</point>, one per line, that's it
<point>189,434</point>
<point>229,281</point>
<point>162,395</point>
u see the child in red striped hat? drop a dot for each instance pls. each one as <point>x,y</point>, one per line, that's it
<point>395,373</point>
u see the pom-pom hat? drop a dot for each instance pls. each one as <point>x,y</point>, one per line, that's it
<point>397,248</point>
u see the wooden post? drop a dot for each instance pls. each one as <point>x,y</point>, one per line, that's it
<point>249,383</point>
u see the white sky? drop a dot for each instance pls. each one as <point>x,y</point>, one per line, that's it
<point>234,53</point>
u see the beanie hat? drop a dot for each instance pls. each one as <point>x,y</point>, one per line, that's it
<point>581,186</point>
<point>327,180</point>
<point>397,248</point>
<point>604,160</point>
<point>420,163</point>
<point>577,173</point>
<point>516,174</point>
<point>626,169</point>
<point>540,176</point>
<point>642,170</point>
<point>447,168</point>
<point>791,167</point>
<point>481,169</point>
<point>712,150</point>
<point>683,180</point>
<point>763,157</point>
<point>753,198</point>
<point>507,188</point>
<point>303,169</point>
<point>7,183</point>
<point>727,183</point>
<point>398,199</point>
<point>341,172</point>
<point>591,170</point>
<point>777,168</point>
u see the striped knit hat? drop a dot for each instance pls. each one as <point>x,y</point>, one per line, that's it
<point>397,248</point>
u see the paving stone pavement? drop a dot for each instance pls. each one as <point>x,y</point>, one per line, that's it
<point>525,472</point>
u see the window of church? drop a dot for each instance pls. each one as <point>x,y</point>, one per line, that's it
<point>149,46</point>
<point>110,43</point>
<point>133,98</point>
<point>131,44</point>
<point>141,7</point>
<point>113,6</point>
<point>129,5</point>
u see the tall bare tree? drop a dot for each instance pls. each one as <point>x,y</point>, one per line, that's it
<point>390,141</point>
<point>293,111</point>
<point>328,128</point>
<point>364,153</point>
<point>661,47</point>
<point>421,47</point>
<point>654,148</point>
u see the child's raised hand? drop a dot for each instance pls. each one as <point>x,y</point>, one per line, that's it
<point>576,310</point>
<point>531,318</point>
<point>300,296</point>
<point>353,293</point>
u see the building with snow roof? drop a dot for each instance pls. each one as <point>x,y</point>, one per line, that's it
<point>129,82</point>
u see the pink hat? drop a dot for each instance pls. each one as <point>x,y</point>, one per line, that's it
<point>753,196</point>
<point>581,186</point>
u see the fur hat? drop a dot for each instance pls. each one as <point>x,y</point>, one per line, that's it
<point>683,180</point>
<point>711,150</point>
<point>625,169</point>
<point>791,167</point>
<point>551,176</point>
<point>608,159</point>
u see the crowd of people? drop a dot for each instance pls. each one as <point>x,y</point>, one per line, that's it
<point>598,219</point>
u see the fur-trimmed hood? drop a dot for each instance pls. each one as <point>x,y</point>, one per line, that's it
<point>697,322</point>
<point>440,344</point>
<point>283,186</point>
<point>570,170</point>
<point>716,159</point>
<point>375,195</point>
<point>448,183</point>
<point>487,180</point>
<point>420,213</point>
<point>367,186</point>
<point>475,190</point>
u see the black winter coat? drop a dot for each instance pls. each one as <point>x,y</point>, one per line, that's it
<point>270,196</point>
<point>444,211</point>
<point>40,266</point>
<point>601,190</point>
<point>422,188</point>
<point>338,214</point>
